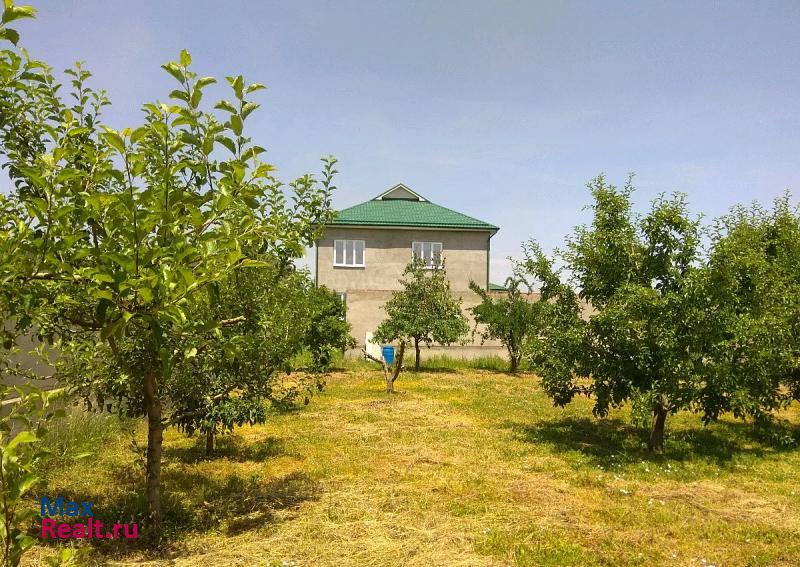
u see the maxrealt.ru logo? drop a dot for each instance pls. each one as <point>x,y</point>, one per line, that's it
<point>92,529</point>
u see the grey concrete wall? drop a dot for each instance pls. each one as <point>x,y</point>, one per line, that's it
<point>365,312</point>
<point>388,251</point>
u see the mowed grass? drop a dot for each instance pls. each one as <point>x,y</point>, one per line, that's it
<point>459,467</point>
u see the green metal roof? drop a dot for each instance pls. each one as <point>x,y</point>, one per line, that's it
<point>497,287</point>
<point>407,212</point>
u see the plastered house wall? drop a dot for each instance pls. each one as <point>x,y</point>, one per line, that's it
<point>387,252</point>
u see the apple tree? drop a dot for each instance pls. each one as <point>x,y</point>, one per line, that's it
<point>117,234</point>
<point>637,345</point>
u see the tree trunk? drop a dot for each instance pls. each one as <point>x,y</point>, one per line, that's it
<point>398,365</point>
<point>514,357</point>
<point>386,374</point>
<point>656,442</point>
<point>416,348</point>
<point>389,381</point>
<point>155,434</point>
<point>209,442</point>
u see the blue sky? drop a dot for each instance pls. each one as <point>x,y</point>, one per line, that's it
<point>501,110</point>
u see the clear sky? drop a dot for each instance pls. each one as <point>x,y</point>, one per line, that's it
<point>500,110</point>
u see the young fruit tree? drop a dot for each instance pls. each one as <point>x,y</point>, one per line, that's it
<point>230,375</point>
<point>424,311</point>
<point>328,330</point>
<point>233,375</point>
<point>120,233</point>
<point>510,318</point>
<point>637,345</point>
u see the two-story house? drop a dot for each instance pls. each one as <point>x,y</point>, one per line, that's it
<point>366,247</point>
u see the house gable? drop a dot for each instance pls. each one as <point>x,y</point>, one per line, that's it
<point>400,191</point>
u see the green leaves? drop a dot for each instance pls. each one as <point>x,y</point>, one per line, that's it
<point>27,411</point>
<point>27,482</point>
<point>204,82</point>
<point>253,87</point>
<point>236,124</point>
<point>11,13</point>
<point>633,272</point>
<point>226,106</point>
<point>228,143</point>
<point>748,308</point>
<point>248,108</point>
<point>666,324</point>
<point>22,437</point>
<point>185,58</point>
<point>250,263</point>
<point>174,69</point>
<point>10,35</point>
<point>237,84</point>
<point>509,318</point>
<point>113,329</point>
<point>114,140</point>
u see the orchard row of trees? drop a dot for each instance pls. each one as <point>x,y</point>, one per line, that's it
<point>660,311</point>
<point>157,260</point>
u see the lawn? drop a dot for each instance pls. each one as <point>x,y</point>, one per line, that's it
<point>460,467</point>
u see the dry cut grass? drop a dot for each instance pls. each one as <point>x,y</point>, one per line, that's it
<point>458,468</point>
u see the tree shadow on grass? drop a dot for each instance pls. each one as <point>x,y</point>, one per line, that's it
<point>239,503</point>
<point>614,442</point>
<point>191,501</point>
<point>231,446</point>
<point>432,370</point>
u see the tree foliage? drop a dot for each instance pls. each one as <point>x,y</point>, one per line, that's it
<point>511,318</point>
<point>328,330</point>
<point>230,374</point>
<point>751,328</point>
<point>672,328</point>
<point>556,348</point>
<point>424,311</point>
<point>121,233</point>
<point>635,272</point>
<point>232,377</point>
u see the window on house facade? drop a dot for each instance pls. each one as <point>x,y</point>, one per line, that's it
<point>429,252</point>
<point>348,253</point>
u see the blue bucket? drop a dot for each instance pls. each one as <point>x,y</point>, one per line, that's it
<point>388,354</point>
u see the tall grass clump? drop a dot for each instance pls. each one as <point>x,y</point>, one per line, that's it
<point>494,363</point>
<point>82,433</point>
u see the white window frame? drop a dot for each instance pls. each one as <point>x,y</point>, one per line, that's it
<point>428,263</point>
<point>343,263</point>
